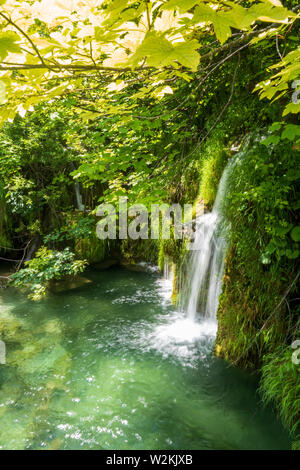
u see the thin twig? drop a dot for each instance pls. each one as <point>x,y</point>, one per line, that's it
<point>82,67</point>
<point>11,249</point>
<point>22,260</point>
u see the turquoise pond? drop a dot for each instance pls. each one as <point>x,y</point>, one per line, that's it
<point>109,363</point>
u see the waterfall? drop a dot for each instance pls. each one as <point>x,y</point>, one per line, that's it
<point>80,205</point>
<point>78,195</point>
<point>168,270</point>
<point>206,259</point>
<point>165,283</point>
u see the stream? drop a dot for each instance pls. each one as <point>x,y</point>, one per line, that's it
<point>110,363</point>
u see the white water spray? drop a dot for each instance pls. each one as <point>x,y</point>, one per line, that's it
<point>168,270</point>
<point>166,281</point>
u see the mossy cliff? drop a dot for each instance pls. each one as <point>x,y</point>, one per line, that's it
<point>257,325</point>
<point>258,318</point>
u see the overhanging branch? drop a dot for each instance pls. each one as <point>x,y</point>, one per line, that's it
<point>59,67</point>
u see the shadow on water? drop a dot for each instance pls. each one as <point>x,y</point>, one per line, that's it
<point>109,363</point>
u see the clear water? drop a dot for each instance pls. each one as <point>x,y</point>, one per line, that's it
<point>112,365</point>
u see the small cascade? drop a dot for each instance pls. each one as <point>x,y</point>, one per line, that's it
<point>168,270</point>
<point>166,281</point>
<point>78,195</point>
<point>205,267</point>
<point>80,205</point>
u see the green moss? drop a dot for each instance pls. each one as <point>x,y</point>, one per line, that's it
<point>161,257</point>
<point>135,251</point>
<point>173,252</point>
<point>213,161</point>
<point>249,297</point>
<point>93,249</point>
<point>175,287</point>
<point>211,172</point>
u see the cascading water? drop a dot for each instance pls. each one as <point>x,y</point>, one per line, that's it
<point>78,195</point>
<point>168,270</point>
<point>205,268</point>
<point>80,205</point>
<point>166,281</point>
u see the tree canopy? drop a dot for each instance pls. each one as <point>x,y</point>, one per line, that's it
<point>50,48</point>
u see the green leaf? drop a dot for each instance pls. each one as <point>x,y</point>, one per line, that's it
<point>204,13</point>
<point>220,22</point>
<point>265,12</point>
<point>237,17</point>
<point>186,54</point>
<point>295,234</point>
<point>222,30</point>
<point>156,48</point>
<point>8,43</point>
<point>265,259</point>
<point>290,132</point>
<point>272,139</point>
<point>279,230</point>
<point>292,254</point>
<point>181,5</point>
<point>275,126</point>
<point>160,52</point>
<point>291,108</point>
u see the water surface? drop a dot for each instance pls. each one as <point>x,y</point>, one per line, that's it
<point>112,365</point>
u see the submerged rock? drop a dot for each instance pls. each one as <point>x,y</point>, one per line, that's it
<point>68,283</point>
<point>45,364</point>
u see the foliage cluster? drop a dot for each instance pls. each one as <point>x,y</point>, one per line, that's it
<point>280,385</point>
<point>264,194</point>
<point>47,265</point>
<point>47,49</point>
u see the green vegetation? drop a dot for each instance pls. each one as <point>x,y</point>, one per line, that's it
<point>261,208</point>
<point>151,100</point>
<point>44,267</point>
<point>280,385</point>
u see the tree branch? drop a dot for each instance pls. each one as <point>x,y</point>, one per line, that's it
<point>89,67</point>
<point>25,35</point>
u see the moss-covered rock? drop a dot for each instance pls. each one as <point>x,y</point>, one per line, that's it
<point>93,249</point>
<point>248,327</point>
<point>135,251</point>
